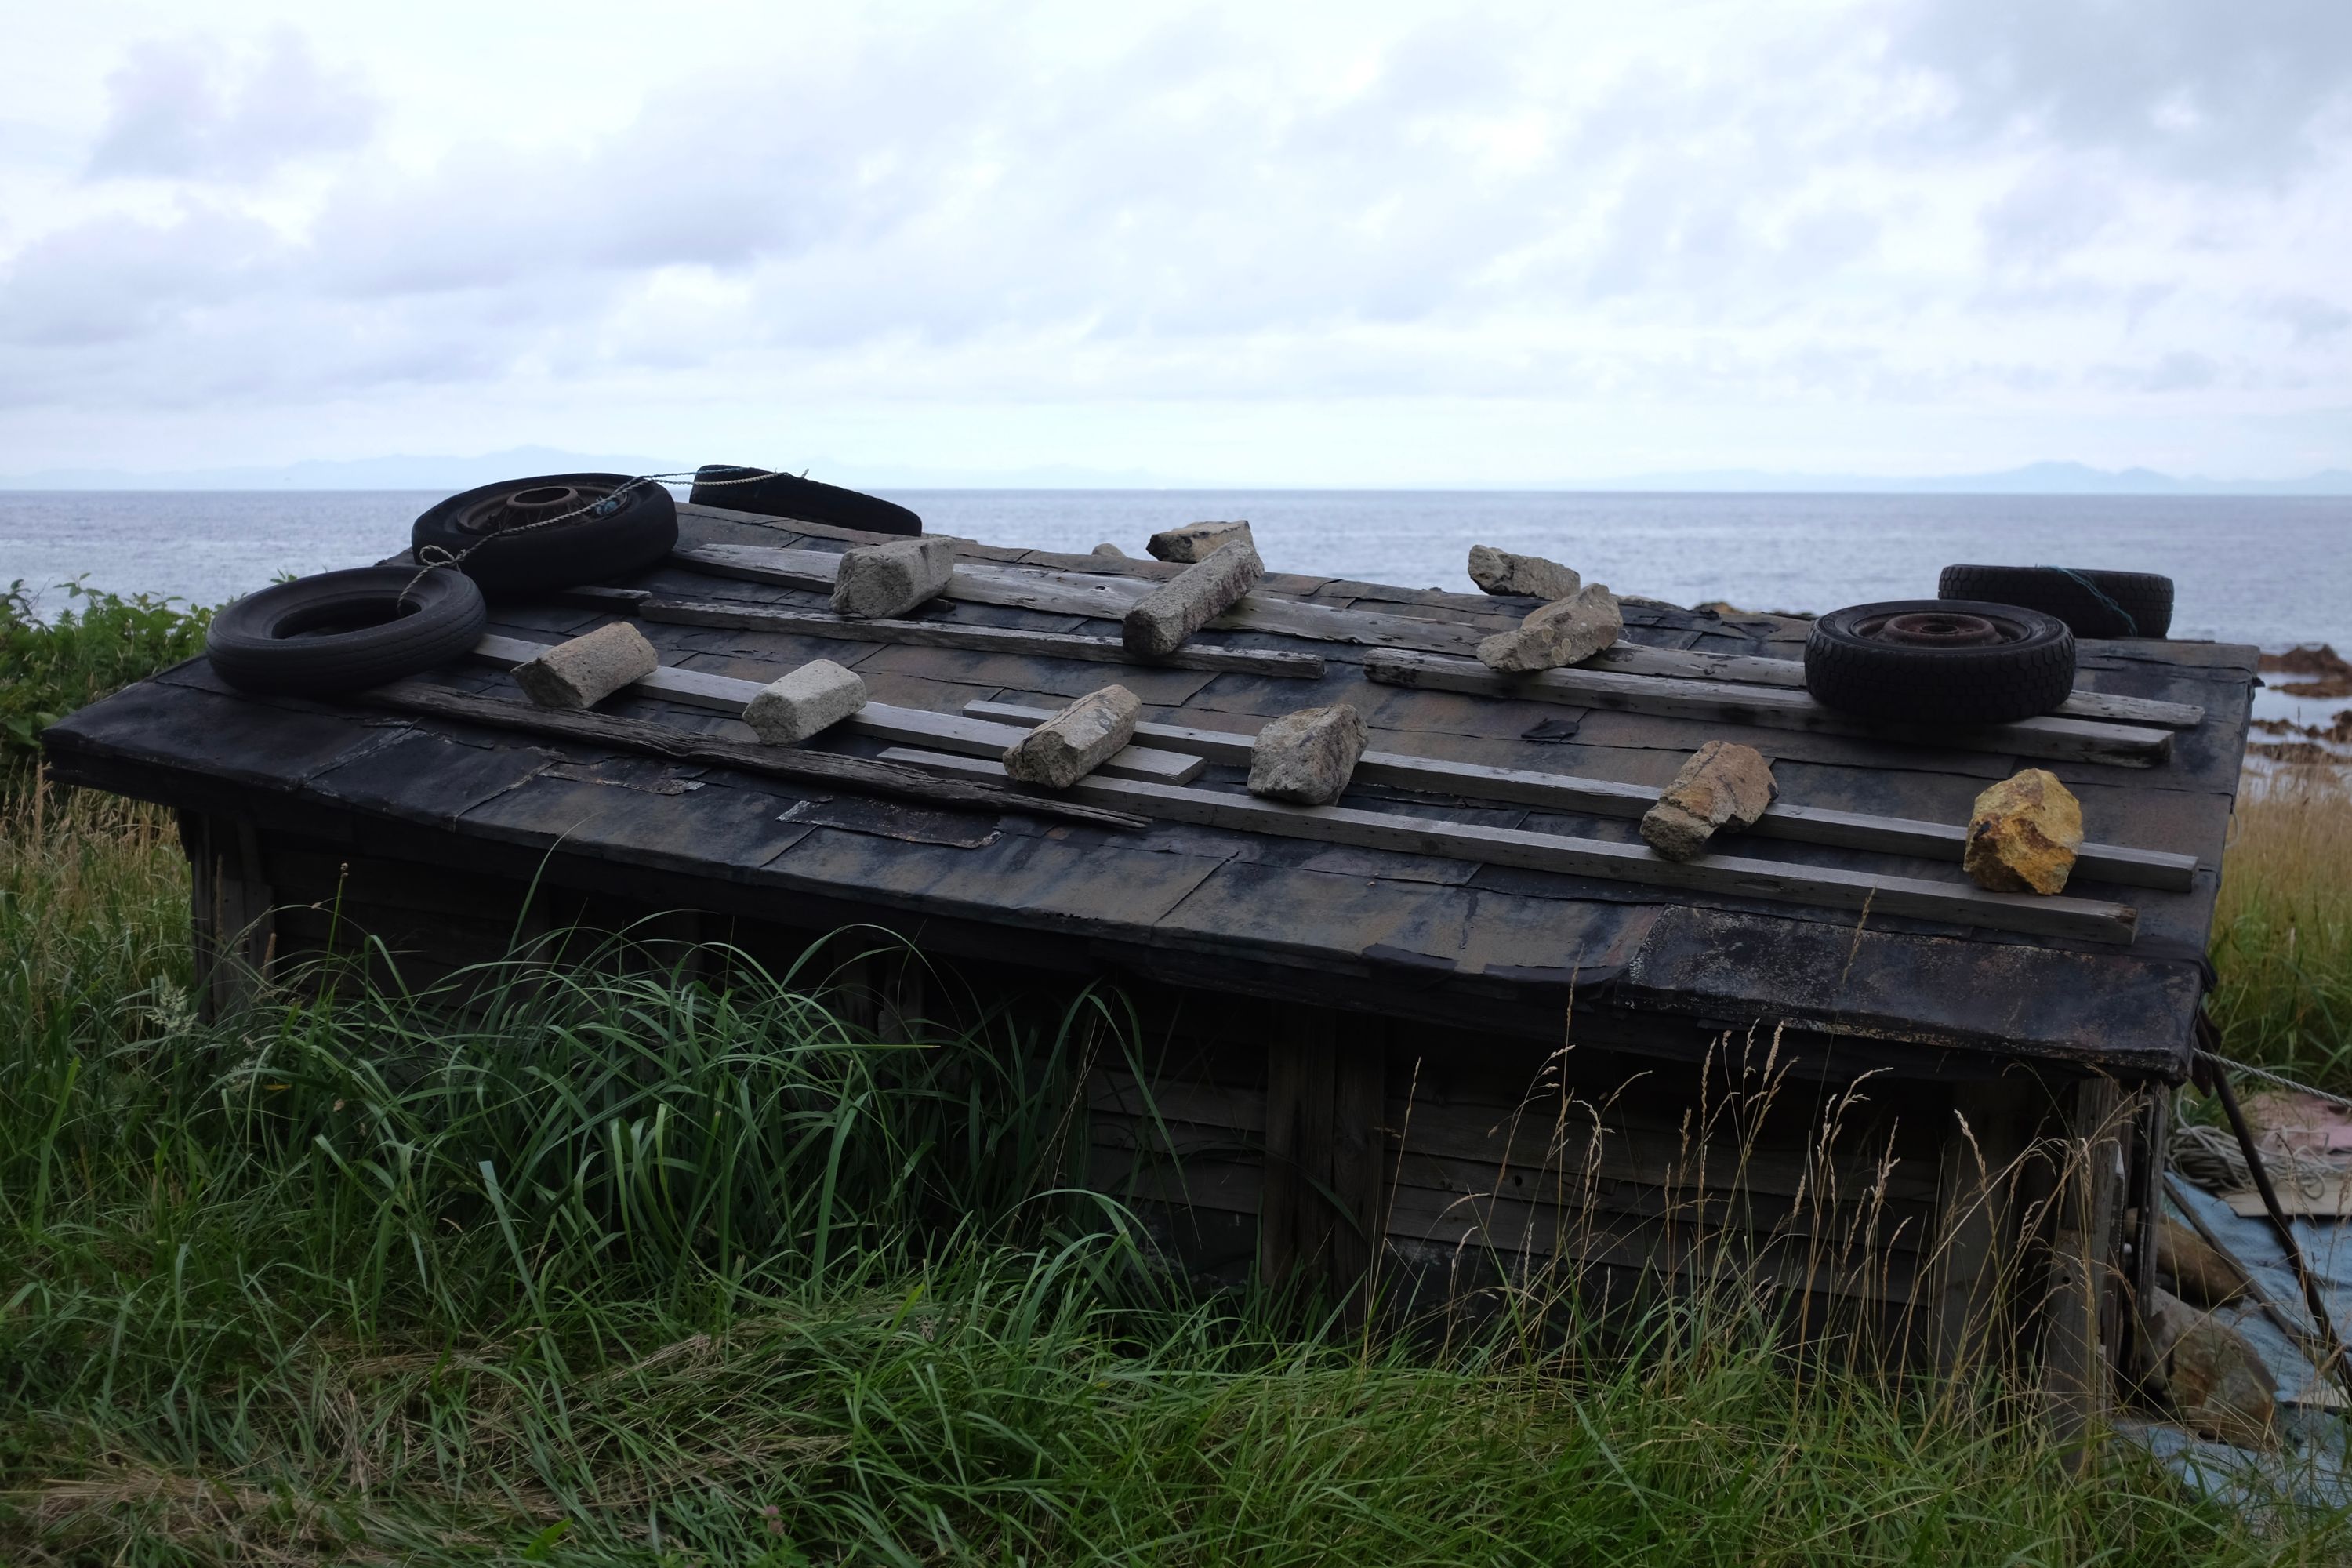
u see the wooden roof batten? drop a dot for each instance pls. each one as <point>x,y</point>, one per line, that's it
<point>1485,836</point>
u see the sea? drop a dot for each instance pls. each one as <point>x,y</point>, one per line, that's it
<point>2274,572</point>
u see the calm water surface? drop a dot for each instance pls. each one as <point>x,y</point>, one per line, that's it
<point>2272,572</point>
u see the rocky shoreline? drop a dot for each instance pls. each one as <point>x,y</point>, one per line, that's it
<point>2315,675</point>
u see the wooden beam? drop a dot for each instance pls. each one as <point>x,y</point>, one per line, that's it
<point>907,726</point>
<point>1099,596</point>
<point>1748,670</point>
<point>2065,740</point>
<point>980,639</point>
<point>1958,903</point>
<point>1107,596</point>
<point>828,770</point>
<point>1605,797</point>
<point>2086,1267</point>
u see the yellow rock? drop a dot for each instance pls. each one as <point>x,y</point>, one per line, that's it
<point>2023,834</point>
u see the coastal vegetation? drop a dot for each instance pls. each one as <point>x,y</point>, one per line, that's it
<point>615,1267</point>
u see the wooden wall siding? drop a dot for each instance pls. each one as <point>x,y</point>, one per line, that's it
<point>233,912</point>
<point>2083,1310</point>
<point>1479,1179</point>
<point>1280,1140</point>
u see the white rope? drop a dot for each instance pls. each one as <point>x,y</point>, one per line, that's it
<point>2210,1157</point>
<point>2249,1070</point>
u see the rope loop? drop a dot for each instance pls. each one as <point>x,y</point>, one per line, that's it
<point>434,557</point>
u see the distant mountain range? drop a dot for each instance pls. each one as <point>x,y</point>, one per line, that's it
<point>2032,479</point>
<point>444,473</point>
<point>395,473</point>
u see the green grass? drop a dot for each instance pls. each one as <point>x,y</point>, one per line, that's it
<point>607,1267</point>
<point>613,1268</point>
<point>95,643</point>
<point>2283,928</point>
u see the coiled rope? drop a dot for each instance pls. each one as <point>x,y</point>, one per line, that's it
<point>2210,1157</point>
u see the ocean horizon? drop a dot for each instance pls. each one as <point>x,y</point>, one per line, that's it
<point>2272,571</point>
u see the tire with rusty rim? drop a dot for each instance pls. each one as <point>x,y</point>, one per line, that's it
<point>520,537</point>
<point>345,631</point>
<point>2092,604</point>
<point>1941,661</point>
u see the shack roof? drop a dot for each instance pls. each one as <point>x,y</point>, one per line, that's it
<point>1412,929</point>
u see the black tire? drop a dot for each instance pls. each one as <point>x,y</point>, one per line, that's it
<point>2136,603</point>
<point>1856,662</point>
<point>623,529</point>
<point>801,500</point>
<point>345,631</point>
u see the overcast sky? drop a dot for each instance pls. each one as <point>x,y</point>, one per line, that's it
<point>1256,243</point>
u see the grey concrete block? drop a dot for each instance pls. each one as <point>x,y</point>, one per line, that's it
<point>1722,788</point>
<point>811,698</point>
<point>878,581</point>
<point>1076,741</point>
<point>590,667</point>
<point>1196,541</point>
<point>1158,623</point>
<point>1307,757</point>
<point>1500,572</point>
<point>1559,634</point>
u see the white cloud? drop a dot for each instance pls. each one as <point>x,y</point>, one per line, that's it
<point>191,109</point>
<point>1849,215</point>
<point>2189,88</point>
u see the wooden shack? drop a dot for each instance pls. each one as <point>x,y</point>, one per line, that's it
<point>1460,1028</point>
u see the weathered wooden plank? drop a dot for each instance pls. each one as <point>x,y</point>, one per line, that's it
<point>1857,1220</point>
<point>1974,1259</point>
<point>2086,1267</point>
<point>861,774</point>
<point>1649,1175</point>
<point>690,508</point>
<point>1748,669</point>
<point>1604,797</point>
<point>982,639</point>
<point>2069,740</point>
<point>233,912</point>
<point>2083,919</point>
<point>1360,1160</point>
<point>1529,1235</point>
<point>907,726</point>
<point>1295,1223</point>
<point>1096,595</point>
<point>762,563</point>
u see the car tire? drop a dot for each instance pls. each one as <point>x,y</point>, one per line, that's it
<point>345,631</point>
<point>521,537</point>
<point>1941,661</point>
<point>2092,603</point>
<point>788,496</point>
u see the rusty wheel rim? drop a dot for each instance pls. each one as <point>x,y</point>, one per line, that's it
<point>1939,628</point>
<point>531,504</point>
